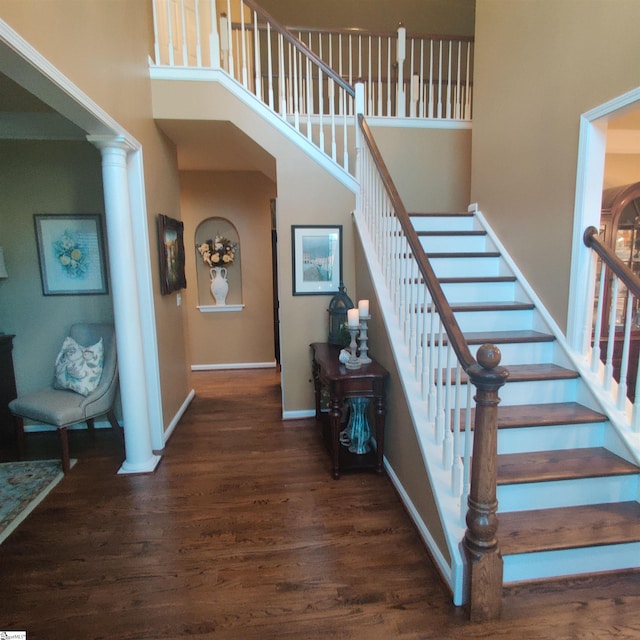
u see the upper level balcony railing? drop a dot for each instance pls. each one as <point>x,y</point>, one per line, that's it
<point>304,72</point>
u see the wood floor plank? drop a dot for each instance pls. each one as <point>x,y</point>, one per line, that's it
<point>242,534</point>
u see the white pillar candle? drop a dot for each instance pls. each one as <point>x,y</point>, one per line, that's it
<point>353,317</point>
<point>363,307</point>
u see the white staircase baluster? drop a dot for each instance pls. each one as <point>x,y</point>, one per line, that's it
<point>270,67</point>
<point>597,334</point>
<point>624,363</point>
<point>214,37</point>
<point>245,82</point>
<point>608,369</point>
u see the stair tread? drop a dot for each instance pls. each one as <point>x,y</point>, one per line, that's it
<point>462,214</point>
<point>532,372</point>
<point>492,306</point>
<point>463,254</point>
<point>503,337</point>
<point>568,527</point>
<point>476,279</point>
<point>541,415</point>
<point>452,232</point>
<point>563,464</point>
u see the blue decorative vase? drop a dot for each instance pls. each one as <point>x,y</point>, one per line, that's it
<point>358,430</point>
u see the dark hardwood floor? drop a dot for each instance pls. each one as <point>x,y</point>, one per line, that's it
<point>241,533</point>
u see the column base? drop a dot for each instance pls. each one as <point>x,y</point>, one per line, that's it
<point>146,467</point>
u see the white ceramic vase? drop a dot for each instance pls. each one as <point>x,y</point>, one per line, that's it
<point>219,285</point>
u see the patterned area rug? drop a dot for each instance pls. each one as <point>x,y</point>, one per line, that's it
<point>23,485</point>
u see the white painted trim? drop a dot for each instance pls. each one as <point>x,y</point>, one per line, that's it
<point>217,308</point>
<point>137,196</point>
<point>589,182</point>
<point>418,123</point>
<point>233,365</point>
<point>172,425</point>
<point>298,415</point>
<point>245,96</point>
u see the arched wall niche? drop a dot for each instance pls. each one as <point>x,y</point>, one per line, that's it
<point>208,231</point>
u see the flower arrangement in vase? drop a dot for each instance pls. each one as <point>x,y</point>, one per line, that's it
<point>218,254</point>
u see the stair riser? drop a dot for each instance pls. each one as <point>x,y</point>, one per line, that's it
<point>511,320</point>
<point>550,564</point>
<point>457,292</point>
<point>467,267</point>
<point>445,223</point>
<point>450,244</point>
<point>567,493</point>
<point>534,391</point>
<point>556,437</point>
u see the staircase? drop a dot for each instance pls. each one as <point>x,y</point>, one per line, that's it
<point>567,489</point>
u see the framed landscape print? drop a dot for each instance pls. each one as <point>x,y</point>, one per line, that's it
<point>317,259</point>
<point>171,254</point>
<point>71,254</point>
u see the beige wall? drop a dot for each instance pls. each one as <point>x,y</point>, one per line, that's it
<point>431,168</point>
<point>306,194</point>
<point>43,177</point>
<point>539,64</point>
<point>621,169</point>
<point>234,337</point>
<point>102,47</point>
<point>426,16</point>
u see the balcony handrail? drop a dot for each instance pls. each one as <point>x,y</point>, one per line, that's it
<point>300,46</point>
<point>621,270</point>
<point>381,34</point>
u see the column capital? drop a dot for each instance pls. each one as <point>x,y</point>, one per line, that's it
<point>104,142</point>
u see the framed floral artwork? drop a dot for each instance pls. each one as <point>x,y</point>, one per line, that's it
<point>71,254</point>
<point>171,254</point>
<point>317,259</point>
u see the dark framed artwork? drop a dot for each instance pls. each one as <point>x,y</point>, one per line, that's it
<point>71,254</point>
<point>317,259</point>
<point>171,254</point>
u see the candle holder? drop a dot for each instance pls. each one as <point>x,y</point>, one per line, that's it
<point>353,362</point>
<point>364,358</point>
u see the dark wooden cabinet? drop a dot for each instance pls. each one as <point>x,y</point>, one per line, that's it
<point>346,398</point>
<point>7,389</point>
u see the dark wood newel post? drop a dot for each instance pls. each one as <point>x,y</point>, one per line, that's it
<point>480,540</point>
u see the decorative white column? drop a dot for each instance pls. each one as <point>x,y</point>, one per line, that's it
<point>133,393</point>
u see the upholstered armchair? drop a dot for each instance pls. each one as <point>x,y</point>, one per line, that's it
<point>62,407</point>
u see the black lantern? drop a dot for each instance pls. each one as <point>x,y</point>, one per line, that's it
<point>338,307</point>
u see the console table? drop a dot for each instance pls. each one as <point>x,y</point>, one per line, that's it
<point>355,388</point>
<point>7,389</point>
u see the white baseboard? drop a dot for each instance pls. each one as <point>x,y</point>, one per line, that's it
<point>172,425</point>
<point>234,365</point>
<point>297,415</point>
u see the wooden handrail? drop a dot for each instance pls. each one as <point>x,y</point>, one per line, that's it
<point>300,46</point>
<point>629,279</point>
<point>358,31</point>
<point>485,566</point>
<point>454,333</point>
